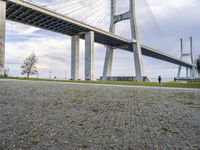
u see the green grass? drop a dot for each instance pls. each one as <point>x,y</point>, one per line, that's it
<point>130,83</point>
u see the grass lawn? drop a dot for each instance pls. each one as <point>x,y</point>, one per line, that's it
<point>167,84</point>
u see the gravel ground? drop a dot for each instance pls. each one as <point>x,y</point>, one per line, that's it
<point>64,116</point>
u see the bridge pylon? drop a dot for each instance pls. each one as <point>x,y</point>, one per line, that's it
<point>107,71</point>
<point>192,74</point>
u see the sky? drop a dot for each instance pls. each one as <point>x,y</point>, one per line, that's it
<point>161,24</point>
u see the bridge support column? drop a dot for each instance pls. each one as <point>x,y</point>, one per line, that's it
<point>75,57</point>
<point>89,55</point>
<point>187,73</point>
<point>136,47</point>
<point>193,72</point>
<point>107,71</point>
<point>2,35</point>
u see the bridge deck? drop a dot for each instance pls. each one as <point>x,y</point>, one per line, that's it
<point>26,13</point>
<point>33,15</point>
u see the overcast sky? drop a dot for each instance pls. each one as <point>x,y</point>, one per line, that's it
<point>161,24</point>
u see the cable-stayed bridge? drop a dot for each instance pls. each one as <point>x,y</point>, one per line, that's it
<point>40,17</point>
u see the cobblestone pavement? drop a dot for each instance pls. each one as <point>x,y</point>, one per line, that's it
<point>64,116</point>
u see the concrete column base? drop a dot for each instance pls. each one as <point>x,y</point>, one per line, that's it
<point>89,55</point>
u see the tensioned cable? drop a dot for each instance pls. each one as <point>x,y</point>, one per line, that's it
<point>79,6</point>
<point>148,17</point>
<point>93,12</point>
<point>78,9</point>
<point>99,12</point>
<point>71,6</point>
<point>59,6</point>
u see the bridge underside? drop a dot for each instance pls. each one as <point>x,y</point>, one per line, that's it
<point>33,15</point>
<point>26,13</point>
<point>150,52</point>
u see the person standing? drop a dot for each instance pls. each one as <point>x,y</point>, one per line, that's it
<point>159,79</point>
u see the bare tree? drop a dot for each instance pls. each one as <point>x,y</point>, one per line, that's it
<point>29,66</point>
<point>6,72</point>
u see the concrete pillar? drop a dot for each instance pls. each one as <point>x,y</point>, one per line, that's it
<point>107,70</point>
<point>136,47</point>
<point>191,50</point>
<point>193,72</point>
<point>89,55</point>
<point>75,48</point>
<point>179,72</point>
<point>179,68</point>
<point>2,35</point>
<point>187,73</point>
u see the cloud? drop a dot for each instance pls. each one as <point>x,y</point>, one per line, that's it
<point>19,29</point>
<point>163,8</point>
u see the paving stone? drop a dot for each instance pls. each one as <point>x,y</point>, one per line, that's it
<point>49,115</point>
